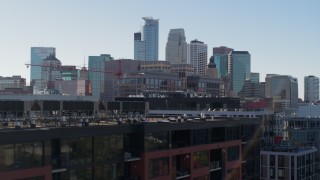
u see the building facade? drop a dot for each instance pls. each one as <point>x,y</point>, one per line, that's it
<point>220,55</point>
<point>251,87</point>
<point>311,88</point>
<point>283,89</point>
<point>176,48</point>
<point>223,149</point>
<point>50,72</point>
<point>288,162</point>
<point>38,54</point>
<point>151,38</point>
<point>139,47</point>
<point>97,73</point>
<point>239,69</point>
<point>198,56</point>
<point>12,82</point>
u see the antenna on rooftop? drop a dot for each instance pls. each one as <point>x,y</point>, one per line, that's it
<point>84,58</point>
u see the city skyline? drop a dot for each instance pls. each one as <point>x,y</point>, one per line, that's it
<point>277,34</point>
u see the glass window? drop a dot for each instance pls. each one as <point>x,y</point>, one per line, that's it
<point>272,160</point>
<point>281,173</point>
<point>281,161</point>
<point>76,151</point>
<point>24,155</point>
<point>200,159</point>
<point>200,136</point>
<point>156,141</point>
<point>158,167</point>
<point>108,147</point>
<point>110,171</point>
<point>233,153</point>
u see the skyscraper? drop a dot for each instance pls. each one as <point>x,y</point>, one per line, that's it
<point>220,55</point>
<point>139,47</point>
<point>176,48</point>
<point>198,56</point>
<point>311,88</point>
<point>151,38</point>
<point>283,89</point>
<point>239,64</point>
<point>97,73</point>
<point>38,54</point>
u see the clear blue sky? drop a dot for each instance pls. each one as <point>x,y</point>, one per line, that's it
<point>282,36</point>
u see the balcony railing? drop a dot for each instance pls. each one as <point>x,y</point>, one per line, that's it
<point>182,173</point>
<point>215,165</point>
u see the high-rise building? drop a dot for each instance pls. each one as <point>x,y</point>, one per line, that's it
<point>50,71</point>
<point>220,55</point>
<point>311,88</point>
<point>176,48</point>
<point>198,56</point>
<point>283,89</point>
<point>139,47</point>
<point>38,54</point>
<point>151,38</point>
<point>97,71</point>
<point>251,88</point>
<point>239,65</point>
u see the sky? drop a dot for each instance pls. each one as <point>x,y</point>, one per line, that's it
<point>282,36</point>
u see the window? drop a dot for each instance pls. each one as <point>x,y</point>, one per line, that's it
<point>158,167</point>
<point>272,160</point>
<point>233,153</point>
<point>272,173</point>
<point>281,161</point>
<point>156,141</point>
<point>200,159</point>
<point>109,171</point>
<point>76,151</point>
<point>108,147</point>
<point>19,156</point>
<point>281,173</point>
<point>200,136</point>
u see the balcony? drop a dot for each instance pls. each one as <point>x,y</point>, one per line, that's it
<point>128,157</point>
<point>182,173</point>
<point>215,165</point>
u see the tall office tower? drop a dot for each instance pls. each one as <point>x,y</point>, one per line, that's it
<point>139,47</point>
<point>239,65</point>
<point>151,38</point>
<point>251,88</point>
<point>198,56</point>
<point>38,54</point>
<point>97,71</point>
<point>220,55</point>
<point>311,88</point>
<point>283,89</point>
<point>50,71</point>
<point>176,48</point>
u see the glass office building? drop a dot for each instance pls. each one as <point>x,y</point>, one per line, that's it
<point>139,47</point>
<point>239,65</point>
<point>97,71</point>
<point>220,55</point>
<point>151,38</point>
<point>282,89</point>
<point>38,54</point>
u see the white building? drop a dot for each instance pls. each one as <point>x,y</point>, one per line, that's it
<point>198,56</point>
<point>311,88</point>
